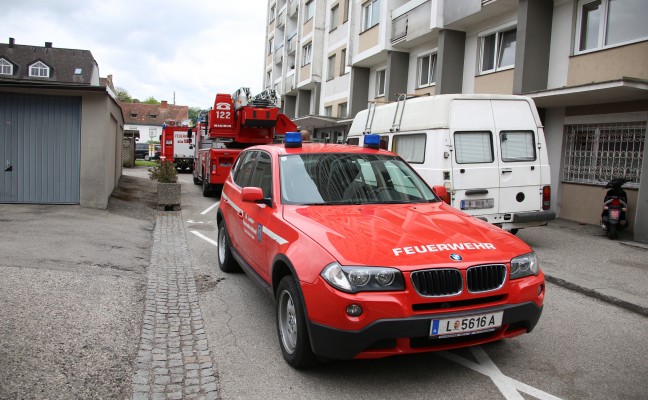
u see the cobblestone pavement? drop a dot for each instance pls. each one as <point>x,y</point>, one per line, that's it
<point>173,360</point>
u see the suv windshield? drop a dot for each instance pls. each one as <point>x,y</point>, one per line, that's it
<point>350,178</point>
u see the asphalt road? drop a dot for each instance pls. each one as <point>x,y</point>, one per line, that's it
<point>582,348</point>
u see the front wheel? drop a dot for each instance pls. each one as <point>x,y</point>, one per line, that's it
<point>147,158</point>
<point>291,325</point>
<point>226,261</point>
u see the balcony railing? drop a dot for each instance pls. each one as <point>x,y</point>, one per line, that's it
<point>399,28</point>
<point>281,20</point>
<point>293,6</point>
<point>292,43</point>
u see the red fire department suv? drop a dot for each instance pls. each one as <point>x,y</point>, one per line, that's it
<point>364,260</point>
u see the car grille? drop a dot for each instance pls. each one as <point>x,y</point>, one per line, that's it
<point>437,282</point>
<point>448,282</point>
<point>484,278</point>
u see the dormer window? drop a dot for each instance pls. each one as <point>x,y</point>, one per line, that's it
<point>40,70</point>
<point>6,68</point>
<point>153,115</point>
<point>133,114</point>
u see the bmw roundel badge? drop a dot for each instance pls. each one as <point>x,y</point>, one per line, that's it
<point>456,257</point>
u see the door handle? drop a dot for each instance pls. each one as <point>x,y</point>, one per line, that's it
<point>8,167</point>
<point>507,171</point>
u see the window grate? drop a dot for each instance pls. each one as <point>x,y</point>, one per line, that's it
<point>598,153</point>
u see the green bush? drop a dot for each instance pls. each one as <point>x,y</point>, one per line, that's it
<point>164,172</point>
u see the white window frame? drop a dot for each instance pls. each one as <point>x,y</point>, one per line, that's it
<point>39,69</point>
<point>307,51</point>
<point>309,10</point>
<point>343,55</point>
<point>430,73</point>
<point>330,70</point>
<point>343,110</point>
<point>270,46</point>
<point>602,29</point>
<point>6,68</point>
<point>369,17</point>
<point>328,111</point>
<point>381,80</point>
<point>498,32</point>
<point>272,13</point>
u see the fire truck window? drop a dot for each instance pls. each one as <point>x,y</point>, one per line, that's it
<point>243,174</point>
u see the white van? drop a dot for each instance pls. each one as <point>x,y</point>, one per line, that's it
<point>489,151</point>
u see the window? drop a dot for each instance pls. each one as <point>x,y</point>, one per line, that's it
<point>272,14</point>
<point>473,147</point>
<point>270,45</point>
<point>498,51</point>
<point>268,77</point>
<point>39,69</point>
<point>244,169</point>
<point>262,174</point>
<point>343,62</point>
<point>328,111</point>
<point>517,146</point>
<point>597,153</point>
<point>604,23</point>
<point>335,16</point>
<point>342,110</point>
<point>330,73</point>
<point>309,10</point>
<point>410,147</point>
<point>370,14</point>
<point>346,10</point>
<point>6,68</point>
<point>426,68</point>
<point>380,82</point>
<point>306,54</point>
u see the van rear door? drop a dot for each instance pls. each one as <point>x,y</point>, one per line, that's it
<point>520,176</point>
<point>475,167</point>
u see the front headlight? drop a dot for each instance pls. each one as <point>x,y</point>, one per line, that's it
<point>363,279</point>
<point>524,265</point>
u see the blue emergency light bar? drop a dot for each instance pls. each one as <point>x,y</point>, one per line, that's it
<point>372,141</point>
<point>293,140</point>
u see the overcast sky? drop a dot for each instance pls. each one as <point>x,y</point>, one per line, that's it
<point>153,48</point>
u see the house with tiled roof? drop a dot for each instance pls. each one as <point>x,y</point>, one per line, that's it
<point>144,121</point>
<point>62,127</point>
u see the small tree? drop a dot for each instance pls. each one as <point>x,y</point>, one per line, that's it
<point>123,95</point>
<point>151,100</point>
<point>164,172</point>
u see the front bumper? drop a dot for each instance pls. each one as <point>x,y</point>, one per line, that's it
<point>411,335</point>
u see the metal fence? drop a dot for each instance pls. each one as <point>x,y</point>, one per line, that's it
<point>597,153</point>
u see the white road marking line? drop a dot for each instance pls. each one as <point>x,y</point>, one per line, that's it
<point>509,387</point>
<point>200,235</point>
<point>210,208</point>
<point>182,180</point>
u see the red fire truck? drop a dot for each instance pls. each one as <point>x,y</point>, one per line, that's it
<point>234,123</point>
<point>177,146</point>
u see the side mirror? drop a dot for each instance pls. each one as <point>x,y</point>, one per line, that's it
<point>441,193</point>
<point>160,139</point>
<point>189,133</point>
<point>252,194</point>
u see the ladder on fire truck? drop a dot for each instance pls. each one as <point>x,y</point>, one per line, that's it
<point>267,98</point>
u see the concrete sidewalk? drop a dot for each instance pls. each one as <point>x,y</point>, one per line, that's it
<point>580,257</point>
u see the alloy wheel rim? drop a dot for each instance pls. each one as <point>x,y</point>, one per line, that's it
<point>287,322</point>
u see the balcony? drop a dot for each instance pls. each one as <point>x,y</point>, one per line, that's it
<point>462,15</point>
<point>278,55</point>
<point>292,43</point>
<point>289,84</point>
<point>281,20</point>
<point>293,6</point>
<point>412,24</point>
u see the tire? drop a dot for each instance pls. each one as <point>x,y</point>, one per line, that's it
<point>196,181</point>
<point>147,158</point>
<point>612,231</point>
<point>226,261</point>
<point>514,231</point>
<point>291,325</point>
<point>206,187</point>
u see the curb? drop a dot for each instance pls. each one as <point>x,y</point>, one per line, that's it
<point>630,306</point>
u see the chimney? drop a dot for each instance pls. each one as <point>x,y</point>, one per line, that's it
<point>164,104</point>
<point>48,45</point>
<point>12,41</point>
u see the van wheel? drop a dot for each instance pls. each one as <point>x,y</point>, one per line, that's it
<point>147,158</point>
<point>206,188</point>
<point>291,325</point>
<point>514,231</point>
<point>226,261</point>
<point>196,181</point>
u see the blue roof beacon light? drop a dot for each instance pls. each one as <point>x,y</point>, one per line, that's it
<point>293,140</point>
<point>372,141</point>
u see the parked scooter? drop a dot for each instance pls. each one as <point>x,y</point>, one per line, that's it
<point>615,207</point>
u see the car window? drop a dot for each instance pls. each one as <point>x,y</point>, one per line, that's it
<point>340,178</point>
<point>517,146</point>
<point>262,174</point>
<point>473,147</point>
<point>244,171</point>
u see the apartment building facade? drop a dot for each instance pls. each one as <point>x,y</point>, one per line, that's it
<point>584,62</point>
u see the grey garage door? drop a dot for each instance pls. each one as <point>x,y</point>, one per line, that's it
<point>40,140</point>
